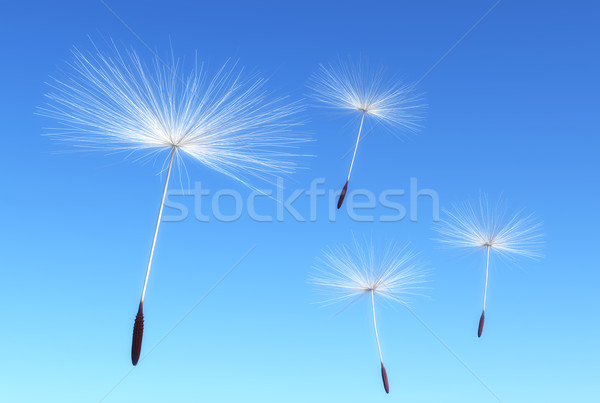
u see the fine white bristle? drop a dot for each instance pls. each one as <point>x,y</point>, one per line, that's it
<point>482,226</point>
<point>228,120</point>
<point>351,272</point>
<point>360,88</point>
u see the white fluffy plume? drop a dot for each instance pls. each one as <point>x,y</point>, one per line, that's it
<point>358,87</point>
<point>349,272</point>
<point>228,120</point>
<point>481,226</point>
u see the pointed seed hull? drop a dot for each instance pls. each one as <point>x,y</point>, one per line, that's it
<point>138,334</point>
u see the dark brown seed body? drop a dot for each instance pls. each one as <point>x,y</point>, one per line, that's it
<point>138,334</point>
<point>386,385</point>
<point>480,330</point>
<point>342,195</point>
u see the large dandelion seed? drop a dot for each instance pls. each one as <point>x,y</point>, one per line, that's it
<point>363,90</point>
<point>350,273</point>
<point>228,121</point>
<point>490,228</point>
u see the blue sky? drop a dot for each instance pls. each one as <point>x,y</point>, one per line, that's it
<point>512,111</point>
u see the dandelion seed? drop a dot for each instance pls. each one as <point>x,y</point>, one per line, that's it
<point>227,121</point>
<point>493,230</point>
<point>360,89</point>
<point>349,273</point>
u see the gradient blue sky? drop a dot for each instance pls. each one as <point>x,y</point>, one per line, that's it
<point>513,111</point>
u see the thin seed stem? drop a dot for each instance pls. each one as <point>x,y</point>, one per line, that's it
<point>487,265</point>
<point>375,326</point>
<point>162,204</point>
<point>356,146</point>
